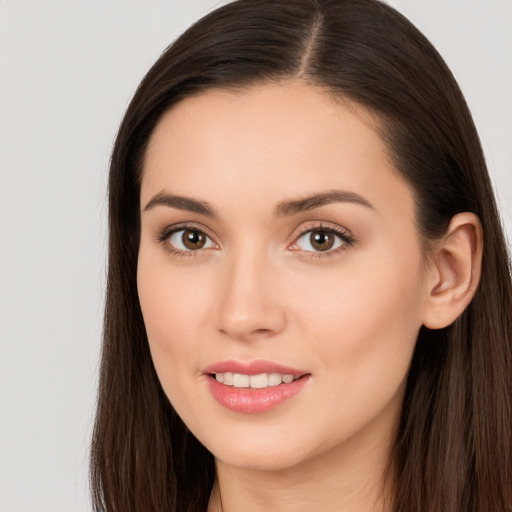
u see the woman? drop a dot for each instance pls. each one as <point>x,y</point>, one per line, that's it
<point>309,295</point>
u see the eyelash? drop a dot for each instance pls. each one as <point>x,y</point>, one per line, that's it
<point>164,236</point>
<point>346,238</point>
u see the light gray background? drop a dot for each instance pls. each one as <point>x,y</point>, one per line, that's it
<point>67,72</point>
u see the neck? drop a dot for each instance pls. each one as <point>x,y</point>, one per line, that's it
<point>342,480</point>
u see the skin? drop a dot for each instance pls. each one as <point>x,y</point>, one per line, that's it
<point>258,290</point>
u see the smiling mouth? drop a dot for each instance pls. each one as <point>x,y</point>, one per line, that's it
<point>255,391</point>
<point>254,386</point>
<point>259,381</point>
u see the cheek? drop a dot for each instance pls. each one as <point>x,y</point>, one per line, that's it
<point>169,323</point>
<point>360,329</point>
<point>366,316</point>
<point>165,305</point>
<point>169,308</point>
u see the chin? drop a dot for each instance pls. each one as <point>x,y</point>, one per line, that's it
<point>269,451</point>
<point>259,460</point>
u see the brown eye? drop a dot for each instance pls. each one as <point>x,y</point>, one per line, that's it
<point>321,240</point>
<point>193,240</point>
<point>187,240</point>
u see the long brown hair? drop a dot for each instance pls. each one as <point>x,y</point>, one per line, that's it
<point>453,446</point>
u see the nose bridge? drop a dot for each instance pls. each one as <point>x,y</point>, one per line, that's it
<point>248,305</point>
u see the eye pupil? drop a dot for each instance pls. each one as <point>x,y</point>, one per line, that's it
<point>322,240</point>
<point>193,240</point>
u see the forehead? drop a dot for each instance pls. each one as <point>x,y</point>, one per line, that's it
<point>269,141</point>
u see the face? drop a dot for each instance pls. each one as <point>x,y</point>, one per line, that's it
<point>280,274</point>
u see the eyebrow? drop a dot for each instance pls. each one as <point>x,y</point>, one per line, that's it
<point>181,203</point>
<point>295,206</point>
<point>283,209</point>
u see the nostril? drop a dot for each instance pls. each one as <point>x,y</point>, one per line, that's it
<point>248,334</point>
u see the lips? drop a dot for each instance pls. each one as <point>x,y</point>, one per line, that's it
<point>253,387</point>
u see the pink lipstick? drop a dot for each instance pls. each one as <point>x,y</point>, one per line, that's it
<point>255,386</point>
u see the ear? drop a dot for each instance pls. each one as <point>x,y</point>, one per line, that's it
<point>455,266</point>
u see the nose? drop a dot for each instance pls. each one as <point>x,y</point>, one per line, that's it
<point>250,304</point>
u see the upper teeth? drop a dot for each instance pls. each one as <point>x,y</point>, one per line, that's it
<point>263,380</point>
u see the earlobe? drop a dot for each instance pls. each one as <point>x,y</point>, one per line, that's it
<point>455,266</point>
